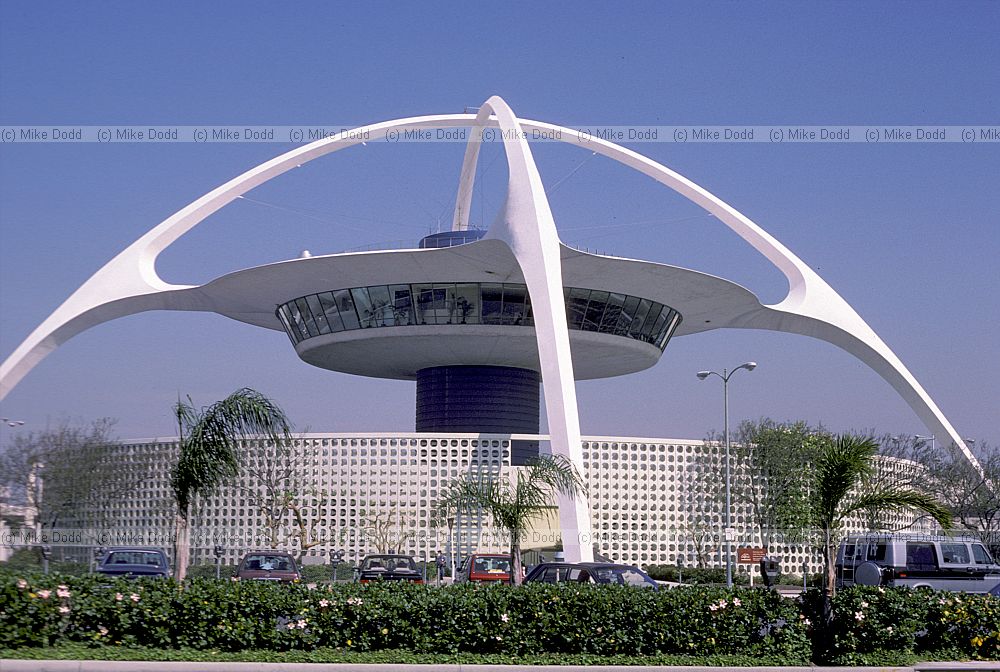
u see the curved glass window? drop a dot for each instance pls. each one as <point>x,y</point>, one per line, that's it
<point>472,303</point>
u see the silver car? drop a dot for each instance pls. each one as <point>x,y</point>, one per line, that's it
<point>918,561</point>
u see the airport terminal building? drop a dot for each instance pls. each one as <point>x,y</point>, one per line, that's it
<point>652,501</point>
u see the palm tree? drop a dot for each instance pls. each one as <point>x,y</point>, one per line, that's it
<point>209,450</point>
<point>845,485</point>
<point>512,503</point>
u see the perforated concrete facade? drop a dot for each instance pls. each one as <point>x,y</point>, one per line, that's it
<point>652,501</point>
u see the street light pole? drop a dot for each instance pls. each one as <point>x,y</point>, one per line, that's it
<point>728,532</point>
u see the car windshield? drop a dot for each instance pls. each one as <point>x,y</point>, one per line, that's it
<point>981,555</point>
<point>388,563</point>
<point>623,576</point>
<point>491,566</point>
<point>149,558</point>
<point>268,563</point>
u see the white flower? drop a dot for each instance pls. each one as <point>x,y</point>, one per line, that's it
<point>290,626</point>
<point>22,584</point>
<point>356,601</point>
<point>44,594</point>
<point>713,607</point>
<point>737,602</point>
<point>134,597</point>
<point>324,603</point>
<point>863,604</point>
<point>505,618</point>
<point>64,610</point>
<point>119,597</point>
<point>881,589</point>
<point>807,622</point>
<point>302,623</point>
<point>858,616</point>
<point>63,592</point>
<point>101,629</point>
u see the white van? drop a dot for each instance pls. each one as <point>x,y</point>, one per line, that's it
<point>918,561</point>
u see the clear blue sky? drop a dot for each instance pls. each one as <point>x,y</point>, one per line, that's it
<point>907,233</point>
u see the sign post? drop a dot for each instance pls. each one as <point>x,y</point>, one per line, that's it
<point>750,555</point>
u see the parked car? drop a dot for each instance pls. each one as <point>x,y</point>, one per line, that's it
<point>389,567</point>
<point>590,572</point>
<point>134,562</point>
<point>918,561</point>
<point>485,568</point>
<point>268,566</point>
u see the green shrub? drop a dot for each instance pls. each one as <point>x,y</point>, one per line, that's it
<point>870,622</point>
<point>538,618</point>
<point>870,625</point>
<point>968,624</point>
<point>696,575</point>
<point>322,573</point>
<point>207,571</point>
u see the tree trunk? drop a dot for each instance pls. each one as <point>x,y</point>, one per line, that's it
<point>830,587</point>
<point>182,546</point>
<point>515,560</point>
<point>829,564</point>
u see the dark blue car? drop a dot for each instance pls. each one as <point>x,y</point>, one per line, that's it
<point>590,572</point>
<point>134,562</point>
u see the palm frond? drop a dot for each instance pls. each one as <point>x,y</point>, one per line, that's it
<point>895,498</point>
<point>840,467</point>
<point>209,445</point>
<point>512,505</point>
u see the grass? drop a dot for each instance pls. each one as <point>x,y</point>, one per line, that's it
<point>328,655</point>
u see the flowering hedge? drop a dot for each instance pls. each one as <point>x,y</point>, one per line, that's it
<point>568,619</point>
<point>231,616</point>
<point>867,622</point>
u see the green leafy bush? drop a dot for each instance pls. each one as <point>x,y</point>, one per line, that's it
<point>236,616</point>
<point>695,575</point>
<point>868,622</point>
<point>870,626</point>
<point>207,571</point>
<point>967,624</point>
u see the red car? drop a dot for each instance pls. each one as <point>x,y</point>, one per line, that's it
<point>268,566</point>
<point>486,568</point>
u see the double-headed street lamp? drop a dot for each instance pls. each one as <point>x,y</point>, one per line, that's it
<point>725,375</point>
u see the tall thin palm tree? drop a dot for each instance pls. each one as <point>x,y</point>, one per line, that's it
<point>512,502</point>
<point>210,450</point>
<point>844,485</point>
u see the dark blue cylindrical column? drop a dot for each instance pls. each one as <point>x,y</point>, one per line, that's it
<point>487,399</point>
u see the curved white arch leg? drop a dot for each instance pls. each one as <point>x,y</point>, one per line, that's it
<point>129,282</point>
<point>525,223</point>
<point>467,178</point>
<point>864,344</point>
<point>826,315</point>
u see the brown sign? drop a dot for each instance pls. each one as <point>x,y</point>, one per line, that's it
<point>750,555</point>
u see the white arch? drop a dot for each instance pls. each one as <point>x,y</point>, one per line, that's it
<point>129,284</point>
<point>811,307</point>
<point>525,223</point>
